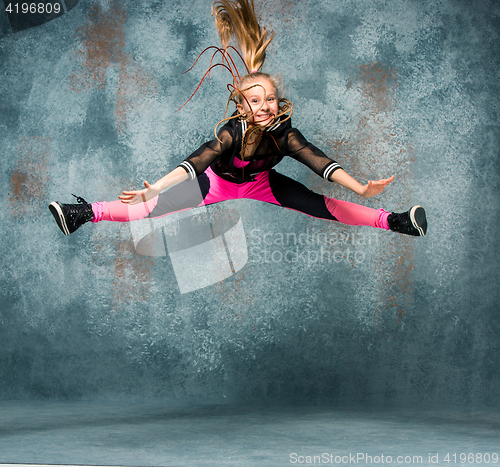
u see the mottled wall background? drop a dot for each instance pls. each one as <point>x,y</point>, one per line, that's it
<point>88,105</point>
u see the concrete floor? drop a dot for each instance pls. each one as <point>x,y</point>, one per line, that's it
<point>154,434</point>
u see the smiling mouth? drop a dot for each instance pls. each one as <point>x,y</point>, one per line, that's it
<point>263,118</point>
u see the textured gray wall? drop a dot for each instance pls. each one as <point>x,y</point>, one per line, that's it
<point>88,105</point>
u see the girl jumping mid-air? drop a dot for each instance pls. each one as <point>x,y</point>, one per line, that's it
<point>239,162</point>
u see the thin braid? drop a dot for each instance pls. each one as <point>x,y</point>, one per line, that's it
<point>285,109</point>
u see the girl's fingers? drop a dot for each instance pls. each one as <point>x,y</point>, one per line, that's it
<point>130,193</point>
<point>384,181</point>
<point>130,201</point>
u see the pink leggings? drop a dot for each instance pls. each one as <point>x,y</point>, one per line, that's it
<point>270,186</point>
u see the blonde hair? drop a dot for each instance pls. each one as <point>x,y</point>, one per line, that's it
<point>237,18</point>
<point>252,77</point>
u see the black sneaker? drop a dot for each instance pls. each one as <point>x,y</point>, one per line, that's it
<point>412,222</point>
<point>70,217</point>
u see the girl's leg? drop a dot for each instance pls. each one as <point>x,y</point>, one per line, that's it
<point>186,195</point>
<point>70,217</point>
<point>116,211</point>
<point>356,214</point>
<point>293,195</point>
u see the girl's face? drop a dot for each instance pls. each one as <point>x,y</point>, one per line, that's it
<point>262,100</point>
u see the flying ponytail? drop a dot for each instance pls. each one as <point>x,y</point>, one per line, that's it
<point>237,18</point>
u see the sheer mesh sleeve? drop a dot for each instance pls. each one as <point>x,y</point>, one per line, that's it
<point>207,153</point>
<point>303,151</point>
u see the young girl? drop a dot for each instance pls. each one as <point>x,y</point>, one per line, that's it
<point>239,162</point>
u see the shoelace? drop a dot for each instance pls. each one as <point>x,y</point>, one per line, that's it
<point>404,218</point>
<point>80,213</point>
<point>79,199</point>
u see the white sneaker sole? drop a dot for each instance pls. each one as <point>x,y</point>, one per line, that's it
<point>56,211</point>
<point>418,224</point>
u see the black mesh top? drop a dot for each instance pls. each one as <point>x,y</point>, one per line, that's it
<point>275,143</point>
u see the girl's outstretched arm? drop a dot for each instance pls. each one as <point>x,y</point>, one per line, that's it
<point>372,188</point>
<point>195,164</point>
<point>177,175</point>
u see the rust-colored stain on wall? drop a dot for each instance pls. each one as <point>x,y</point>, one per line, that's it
<point>102,41</point>
<point>373,139</point>
<point>234,292</point>
<point>134,86</point>
<point>101,45</point>
<point>30,178</point>
<point>279,16</point>
<point>378,84</point>
<point>131,272</point>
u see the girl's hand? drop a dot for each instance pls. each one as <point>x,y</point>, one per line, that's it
<point>374,187</point>
<point>139,196</point>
